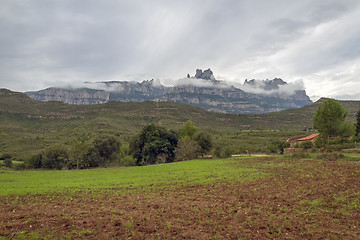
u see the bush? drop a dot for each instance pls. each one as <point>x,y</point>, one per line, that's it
<point>204,140</point>
<point>330,156</point>
<point>107,147</point>
<point>153,144</point>
<point>320,142</point>
<point>300,155</point>
<point>8,163</point>
<point>55,158</point>
<point>19,166</point>
<point>228,152</point>
<point>34,161</point>
<point>218,151</point>
<point>5,156</point>
<point>125,159</point>
<point>278,146</point>
<point>186,150</point>
<point>306,145</point>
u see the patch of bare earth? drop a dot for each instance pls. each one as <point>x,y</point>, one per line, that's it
<point>301,200</point>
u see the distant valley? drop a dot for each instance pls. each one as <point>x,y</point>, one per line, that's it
<point>201,90</point>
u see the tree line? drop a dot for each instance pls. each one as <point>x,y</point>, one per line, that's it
<point>153,144</point>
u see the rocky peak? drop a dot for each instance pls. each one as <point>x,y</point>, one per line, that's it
<point>207,74</point>
<point>266,84</point>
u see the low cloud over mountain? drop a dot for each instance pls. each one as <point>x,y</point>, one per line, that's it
<point>202,90</point>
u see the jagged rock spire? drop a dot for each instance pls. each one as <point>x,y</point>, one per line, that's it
<point>207,74</point>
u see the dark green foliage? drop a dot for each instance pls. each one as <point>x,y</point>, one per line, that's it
<point>204,140</point>
<point>34,161</point>
<point>8,163</point>
<point>329,120</point>
<point>218,151</point>
<point>154,144</point>
<point>278,146</point>
<point>107,147</point>
<point>55,157</point>
<point>357,123</point>
<point>306,144</point>
<point>102,151</point>
<point>227,152</point>
<point>320,142</point>
<point>5,156</point>
<point>92,158</point>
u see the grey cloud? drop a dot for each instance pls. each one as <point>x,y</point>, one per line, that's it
<point>46,42</point>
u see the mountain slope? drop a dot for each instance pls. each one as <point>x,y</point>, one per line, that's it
<point>28,126</point>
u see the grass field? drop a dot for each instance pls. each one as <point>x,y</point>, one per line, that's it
<point>163,175</point>
<point>238,198</point>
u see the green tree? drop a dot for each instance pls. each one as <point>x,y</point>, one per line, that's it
<point>188,129</point>
<point>278,146</point>
<point>204,140</point>
<point>34,161</point>
<point>55,157</point>
<point>357,123</point>
<point>329,120</point>
<point>154,144</point>
<point>187,149</point>
<point>107,147</point>
<point>306,144</point>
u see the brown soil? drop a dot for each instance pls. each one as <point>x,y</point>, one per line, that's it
<point>304,200</point>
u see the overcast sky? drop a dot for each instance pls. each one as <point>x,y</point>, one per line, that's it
<point>46,43</point>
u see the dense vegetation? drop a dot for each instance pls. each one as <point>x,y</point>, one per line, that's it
<point>29,128</point>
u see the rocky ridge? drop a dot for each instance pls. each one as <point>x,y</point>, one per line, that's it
<point>201,90</point>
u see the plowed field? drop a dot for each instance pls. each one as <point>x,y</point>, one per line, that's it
<point>294,199</point>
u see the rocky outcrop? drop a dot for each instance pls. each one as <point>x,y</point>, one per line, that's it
<point>267,85</point>
<point>202,90</point>
<point>207,74</point>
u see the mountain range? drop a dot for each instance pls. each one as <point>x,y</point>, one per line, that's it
<point>201,90</point>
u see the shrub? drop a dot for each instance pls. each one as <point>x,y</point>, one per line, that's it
<point>205,141</point>
<point>151,142</point>
<point>8,163</point>
<point>228,152</point>
<point>125,159</point>
<point>330,156</point>
<point>218,151</point>
<point>300,155</point>
<point>278,146</point>
<point>55,157</point>
<point>187,149</point>
<point>19,166</point>
<point>5,156</point>
<point>306,145</point>
<point>107,147</point>
<point>34,161</point>
<point>320,142</point>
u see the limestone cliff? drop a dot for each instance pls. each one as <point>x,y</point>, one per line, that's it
<point>201,90</point>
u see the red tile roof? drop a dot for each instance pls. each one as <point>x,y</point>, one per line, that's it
<point>311,137</point>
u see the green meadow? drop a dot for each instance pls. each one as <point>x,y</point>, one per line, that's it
<point>122,178</point>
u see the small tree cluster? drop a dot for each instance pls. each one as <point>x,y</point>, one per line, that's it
<point>329,120</point>
<point>278,146</point>
<point>154,144</point>
<point>81,155</point>
<point>192,143</point>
